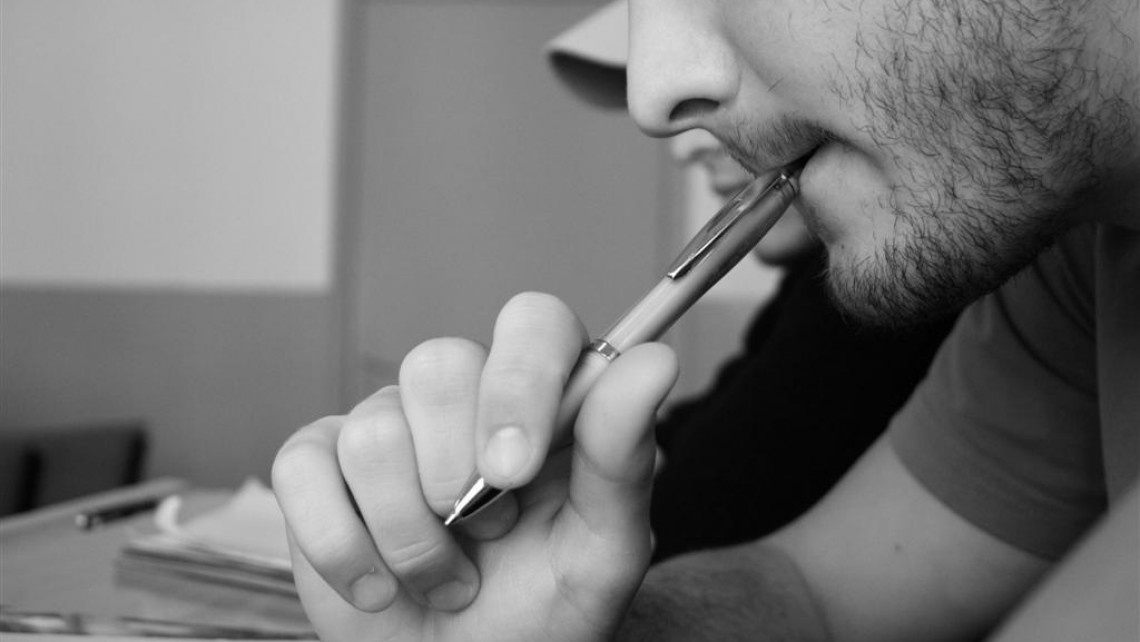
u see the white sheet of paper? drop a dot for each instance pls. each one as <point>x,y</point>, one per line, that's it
<point>250,523</point>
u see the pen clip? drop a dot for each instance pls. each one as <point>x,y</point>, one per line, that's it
<point>721,222</point>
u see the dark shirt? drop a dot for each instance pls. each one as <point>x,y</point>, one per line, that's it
<point>784,420</point>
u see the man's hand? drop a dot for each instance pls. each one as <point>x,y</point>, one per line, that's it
<point>558,559</point>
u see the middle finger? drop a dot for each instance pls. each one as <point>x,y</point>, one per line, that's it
<point>537,341</point>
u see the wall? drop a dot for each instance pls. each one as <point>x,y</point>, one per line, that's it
<point>168,218</point>
<point>221,378</point>
<point>480,176</point>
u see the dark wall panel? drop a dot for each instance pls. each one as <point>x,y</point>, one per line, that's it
<point>220,379</point>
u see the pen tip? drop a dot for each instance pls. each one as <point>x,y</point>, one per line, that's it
<point>451,519</point>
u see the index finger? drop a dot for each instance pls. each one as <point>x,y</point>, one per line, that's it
<point>536,343</point>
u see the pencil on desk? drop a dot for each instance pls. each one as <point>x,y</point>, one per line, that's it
<point>93,518</point>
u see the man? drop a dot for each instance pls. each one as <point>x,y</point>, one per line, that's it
<point>951,145</point>
<point>811,390</point>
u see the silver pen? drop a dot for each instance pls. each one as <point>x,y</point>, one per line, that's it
<point>717,247</point>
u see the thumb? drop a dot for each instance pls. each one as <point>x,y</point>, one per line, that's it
<point>614,448</point>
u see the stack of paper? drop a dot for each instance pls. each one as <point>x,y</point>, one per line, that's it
<point>241,543</point>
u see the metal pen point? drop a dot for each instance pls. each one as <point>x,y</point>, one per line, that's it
<point>713,251</point>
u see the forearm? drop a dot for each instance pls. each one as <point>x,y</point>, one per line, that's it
<point>745,592</point>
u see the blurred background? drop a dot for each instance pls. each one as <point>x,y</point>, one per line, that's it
<point>222,219</point>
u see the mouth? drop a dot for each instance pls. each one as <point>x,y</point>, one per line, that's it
<point>796,166</point>
<point>787,146</point>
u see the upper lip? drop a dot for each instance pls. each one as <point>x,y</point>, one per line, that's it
<point>782,144</point>
<point>768,165</point>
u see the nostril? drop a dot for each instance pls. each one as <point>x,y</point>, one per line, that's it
<point>692,108</point>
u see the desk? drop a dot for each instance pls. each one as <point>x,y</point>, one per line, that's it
<point>47,564</point>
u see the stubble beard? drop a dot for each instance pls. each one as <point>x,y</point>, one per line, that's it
<point>998,123</point>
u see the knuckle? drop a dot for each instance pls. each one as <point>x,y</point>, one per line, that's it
<point>369,442</point>
<point>537,310</point>
<point>523,380</point>
<point>313,432</point>
<point>443,371</point>
<point>379,402</point>
<point>335,553</point>
<point>439,356</point>
<point>416,556</point>
<point>289,465</point>
<point>538,303</point>
<point>294,461</point>
<point>537,330</point>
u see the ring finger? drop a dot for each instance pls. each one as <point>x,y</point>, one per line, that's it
<point>377,458</point>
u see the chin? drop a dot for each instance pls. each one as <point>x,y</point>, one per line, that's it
<point>927,271</point>
<point>870,294</point>
<point>921,237</point>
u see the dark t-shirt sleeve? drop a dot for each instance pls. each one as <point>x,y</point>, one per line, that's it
<point>1005,429</point>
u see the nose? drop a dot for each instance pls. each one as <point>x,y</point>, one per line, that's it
<point>681,72</point>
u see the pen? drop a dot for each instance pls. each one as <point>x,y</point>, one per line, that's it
<point>715,249</point>
<point>90,519</point>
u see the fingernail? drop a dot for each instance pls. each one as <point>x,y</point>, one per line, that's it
<point>450,596</point>
<point>508,451</point>
<point>371,592</point>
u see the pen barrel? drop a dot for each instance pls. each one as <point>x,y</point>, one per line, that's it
<point>656,312</point>
<point>728,237</point>
<point>590,366</point>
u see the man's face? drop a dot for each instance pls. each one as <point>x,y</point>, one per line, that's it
<point>949,138</point>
